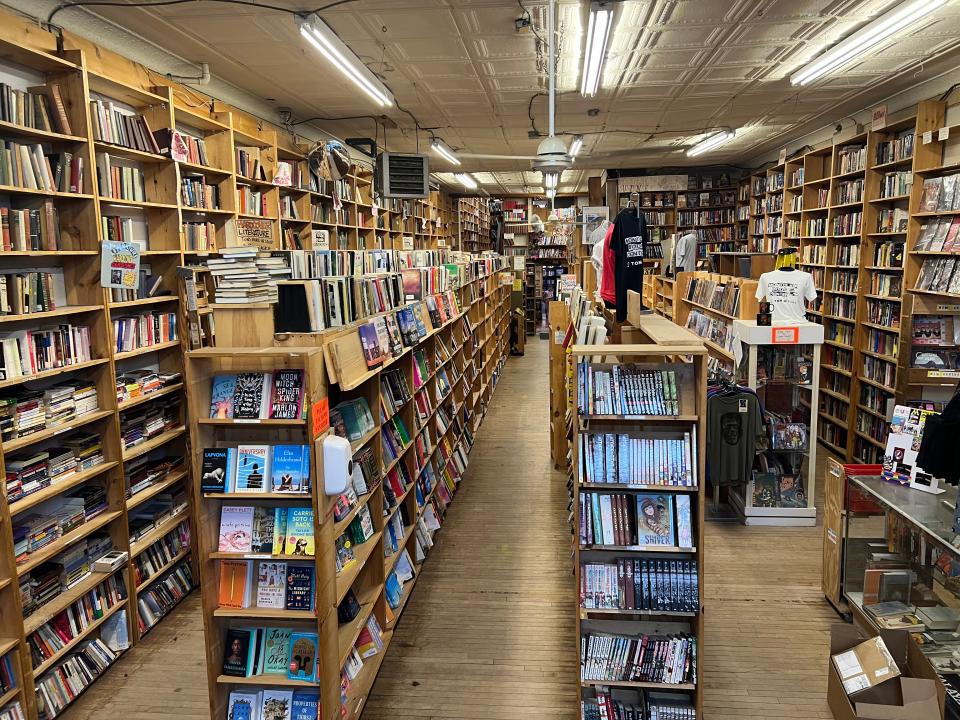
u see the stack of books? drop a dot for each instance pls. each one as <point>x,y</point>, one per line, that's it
<point>238,277</point>
<point>26,474</point>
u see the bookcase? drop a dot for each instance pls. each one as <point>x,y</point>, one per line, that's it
<point>707,304</point>
<point>473,224</point>
<point>639,553</point>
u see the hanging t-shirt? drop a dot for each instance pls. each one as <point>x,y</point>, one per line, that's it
<point>628,242</point>
<point>597,237</point>
<point>734,424</point>
<point>786,291</point>
<point>608,286</point>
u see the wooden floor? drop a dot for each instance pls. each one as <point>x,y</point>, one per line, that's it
<point>488,632</point>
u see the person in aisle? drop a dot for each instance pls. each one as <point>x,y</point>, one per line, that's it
<point>628,243</point>
<point>787,289</point>
<point>685,253</point>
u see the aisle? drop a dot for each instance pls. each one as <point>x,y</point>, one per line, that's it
<point>488,631</point>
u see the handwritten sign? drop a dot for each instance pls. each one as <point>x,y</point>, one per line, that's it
<point>120,265</point>
<point>879,121</point>
<point>407,242</point>
<point>256,233</point>
<point>785,335</point>
<point>320,416</point>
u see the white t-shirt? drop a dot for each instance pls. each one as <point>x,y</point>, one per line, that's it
<point>786,291</point>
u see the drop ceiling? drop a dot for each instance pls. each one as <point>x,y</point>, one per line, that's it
<point>676,69</point>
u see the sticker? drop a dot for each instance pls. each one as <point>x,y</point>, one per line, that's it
<point>558,337</point>
<point>320,416</point>
<point>120,265</point>
<point>943,133</point>
<point>785,335</point>
<point>742,405</point>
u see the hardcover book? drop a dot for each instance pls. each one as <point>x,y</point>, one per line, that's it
<point>243,706</point>
<point>272,585</point>
<point>221,396</point>
<point>304,647</point>
<point>684,521</point>
<point>290,468</point>
<point>216,469</point>
<point>655,524</point>
<point>252,468</point>
<point>277,705</point>
<point>263,522</point>
<point>372,352</point>
<point>286,401</point>
<point>279,529</point>
<point>235,581</point>
<point>249,396</point>
<point>299,587</point>
<point>306,704</point>
<point>299,532</point>
<point>237,652</point>
<point>236,528</point>
<point>276,646</point>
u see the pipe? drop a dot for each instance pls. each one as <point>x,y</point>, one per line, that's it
<point>552,60</point>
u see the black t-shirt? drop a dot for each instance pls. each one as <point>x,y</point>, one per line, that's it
<point>628,242</point>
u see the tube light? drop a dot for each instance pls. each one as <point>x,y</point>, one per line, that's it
<point>595,48</point>
<point>443,151</point>
<point>885,26</point>
<point>550,180</point>
<point>576,146</point>
<point>714,141</point>
<point>324,39</point>
<point>551,193</point>
<point>466,180</point>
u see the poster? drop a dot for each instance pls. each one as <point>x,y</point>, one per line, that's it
<point>120,265</point>
<point>256,233</point>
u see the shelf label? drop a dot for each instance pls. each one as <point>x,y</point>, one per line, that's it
<point>928,137</point>
<point>320,416</point>
<point>879,121</point>
<point>782,158</point>
<point>943,133</point>
<point>785,335</point>
<point>943,374</point>
<point>948,308</point>
<point>247,421</point>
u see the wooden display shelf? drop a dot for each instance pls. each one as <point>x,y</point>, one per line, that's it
<point>265,679</point>
<point>264,613</point>
<point>61,602</point>
<point>57,487</point>
<point>64,542</point>
<point>155,489</point>
<point>153,443</point>
<point>10,446</point>
<point>167,525</point>
<point>65,650</point>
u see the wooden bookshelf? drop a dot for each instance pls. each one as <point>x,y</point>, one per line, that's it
<point>692,382</point>
<point>473,224</point>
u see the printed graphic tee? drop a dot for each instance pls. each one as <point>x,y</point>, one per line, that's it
<point>734,424</point>
<point>628,242</point>
<point>786,291</point>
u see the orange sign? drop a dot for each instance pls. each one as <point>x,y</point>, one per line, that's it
<point>320,415</point>
<point>785,335</point>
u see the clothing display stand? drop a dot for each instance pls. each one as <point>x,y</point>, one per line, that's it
<point>752,336</point>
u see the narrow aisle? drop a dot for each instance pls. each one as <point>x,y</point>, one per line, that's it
<point>489,629</point>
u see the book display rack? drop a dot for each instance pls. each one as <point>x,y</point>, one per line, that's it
<point>639,547</point>
<point>411,420</point>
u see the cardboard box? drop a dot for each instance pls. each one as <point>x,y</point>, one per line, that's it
<point>897,693</point>
<point>865,665</point>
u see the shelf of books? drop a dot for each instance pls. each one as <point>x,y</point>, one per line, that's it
<point>265,542</point>
<point>758,208</point>
<point>639,553</point>
<point>707,304</point>
<point>473,224</point>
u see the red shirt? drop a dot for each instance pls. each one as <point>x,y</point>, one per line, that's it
<point>608,287</point>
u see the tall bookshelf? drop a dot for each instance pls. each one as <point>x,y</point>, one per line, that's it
<point>473,224</point>
<point>793,202</point>
<point>758,210</point>
<point>773,209</point>
<point>594,553</point>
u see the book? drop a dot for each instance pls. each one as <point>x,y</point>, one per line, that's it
<point>286,399</point>
<point>655,520</point>
<point>306,704</point>
<point>221,396</point>
<point>216,469</point>
<point>238,652</point>
<point>373,353</point>
<point>249,397</point>
<point>253,463</point>
<point>930,200</point>
<point>684,521</point>
<point>243,706</point>
<point>304,649</point>
<point>290,468</point>
<point>276,646</point>
<point>277,705</point>
<point>236,528</point>
<point>300,592</point>
<point>263,522</point>
<point>272,584</point>
<point>279,529</point>
<point>299,532</point>
<point>235,583</point>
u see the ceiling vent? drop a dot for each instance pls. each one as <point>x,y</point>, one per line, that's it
<point>403,176</point>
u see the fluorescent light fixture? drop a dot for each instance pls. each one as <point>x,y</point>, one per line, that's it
<point>595,47</point>
<point>885,26</point>
<point>324,39</point>
<point>551,193</point>
<point>443,151</point>
<point>466,180</point>
<point>576,146</point>
<point>714,141</point>
<point>550,180</point>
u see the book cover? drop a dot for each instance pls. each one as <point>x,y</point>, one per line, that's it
<point>306,704</point>
<point>243,706</point>
<point>215,469</point>
<point>279,528</point>
<point>286,401</point>
<point>277,705</point>
<point>287,465</point>
<point>299,587</point>
<point>249,395</point>
<point>791,492</point>
<point>272,585</point>
<point>236,652</point>
<point>684,521</point>
<point>370,344</point>
<point>221,396</point>
<point>764,490</point>
<point>931,195</point>
<point>252,468</point>
<point>234,584</point>
<point>393,332</point>
<point>304,647</point>
<point>236,528</point>
<point>299,532</point>
<point>383,337</point>
<point>655,524</point>
<point>263,521</point>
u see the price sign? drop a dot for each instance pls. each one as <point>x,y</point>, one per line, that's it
<point>785,335</point>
